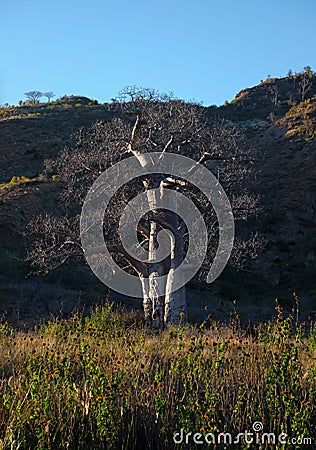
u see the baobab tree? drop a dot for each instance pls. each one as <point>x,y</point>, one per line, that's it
<point>274,92</point>
<point>33,96</point>
<point>147,124</point>
<point>49,95</point>
<point>305,84</point>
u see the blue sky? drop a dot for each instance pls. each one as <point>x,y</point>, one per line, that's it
<point>203,50</point>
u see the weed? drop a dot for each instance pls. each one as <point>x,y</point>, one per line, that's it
<point>107,382</point>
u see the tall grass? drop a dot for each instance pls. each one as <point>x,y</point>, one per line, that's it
<point>107,382</point>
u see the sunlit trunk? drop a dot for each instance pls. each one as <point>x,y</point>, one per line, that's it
<point>147,304</point>
<point>156,287</point>
<point>175,300</point>
<point>175,306</point>
<point>162,304</point>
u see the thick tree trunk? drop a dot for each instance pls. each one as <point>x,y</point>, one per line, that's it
<point>175,305</point>
<point>162,305</point>
<point>147,303</point>
<point>156,287</point>
<point>175,300</point>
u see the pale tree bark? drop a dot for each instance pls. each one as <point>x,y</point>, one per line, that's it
<point>156,287</point>
<point>153,288</point>
<point>161,303</point>
<point>175,299</point>
<point>147,303</point>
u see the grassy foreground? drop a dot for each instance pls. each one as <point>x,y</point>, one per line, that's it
<point>107,382</point>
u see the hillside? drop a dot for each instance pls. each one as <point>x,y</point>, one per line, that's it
<point>272,96</point>
<point>279,128</point>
